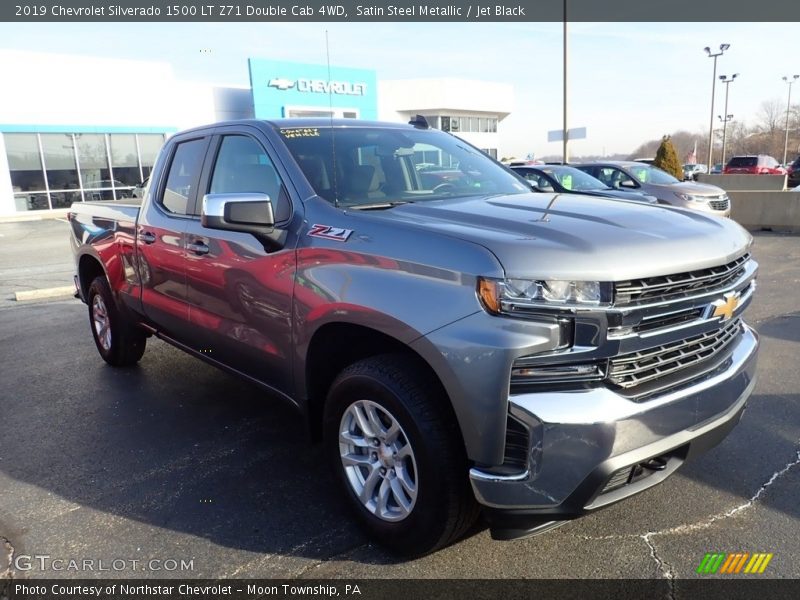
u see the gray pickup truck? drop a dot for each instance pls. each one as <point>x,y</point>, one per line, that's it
<point>458,343</point>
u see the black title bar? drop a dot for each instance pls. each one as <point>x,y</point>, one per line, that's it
<point>398,11</point>
<point>734,588</point>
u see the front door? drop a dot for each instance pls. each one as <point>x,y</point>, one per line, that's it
<point>239,290</point>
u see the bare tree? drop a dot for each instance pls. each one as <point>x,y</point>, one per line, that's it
<point>764,136</point>
<point>770,116</point>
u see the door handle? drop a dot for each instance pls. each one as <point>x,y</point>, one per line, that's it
<point>198,248</point>
<point>147,237</point>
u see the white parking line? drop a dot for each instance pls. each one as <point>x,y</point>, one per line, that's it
<point>56,292</point>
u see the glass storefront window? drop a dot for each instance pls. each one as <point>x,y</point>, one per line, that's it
<point>25,168</point>
<point>53,170</point>
<point>62,173</point>
<point>433,121</point>
<point>93,160</point>
<point>149,147</point>
<point>124,163</point>
<point>58,150</point>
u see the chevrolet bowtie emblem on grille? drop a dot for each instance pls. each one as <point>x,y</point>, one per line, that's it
<point>725,306</point>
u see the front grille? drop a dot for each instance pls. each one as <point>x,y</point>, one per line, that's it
<point>636,368</point>
<point>618,479</point>
<point>669,319</point>
<point>721,204</point>
<point>669,287</point>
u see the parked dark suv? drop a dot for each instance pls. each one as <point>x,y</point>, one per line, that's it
<point>794,172</point>
<point>757,164</point>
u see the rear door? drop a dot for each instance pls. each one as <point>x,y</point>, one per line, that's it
<point>239,290</point>
<point>160,235</point>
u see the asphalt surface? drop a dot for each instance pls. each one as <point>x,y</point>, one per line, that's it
<point>34,255</point>
<point>174,460</point>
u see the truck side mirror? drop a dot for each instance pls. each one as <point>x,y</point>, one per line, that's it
<point>246,212</point>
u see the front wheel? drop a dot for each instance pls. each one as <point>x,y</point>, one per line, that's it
<point>118,341</point>
<point>396,450</point>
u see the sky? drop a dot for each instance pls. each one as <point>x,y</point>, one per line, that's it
<point>628,82</point>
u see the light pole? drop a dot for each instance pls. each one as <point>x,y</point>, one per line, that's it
<point>788,108</point>
<point>566,123</point>
<point>727,81</point>
<point>715,56</point>
<point>724,135</point>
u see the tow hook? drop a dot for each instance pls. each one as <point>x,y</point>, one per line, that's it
<point>658,463</point>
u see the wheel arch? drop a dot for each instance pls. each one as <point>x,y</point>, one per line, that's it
<point>335,346</point>
<point>89,267</point>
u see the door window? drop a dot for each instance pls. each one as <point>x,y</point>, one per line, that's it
<point>182,177</point>
<point>614,177</point>
<point>243,166</point>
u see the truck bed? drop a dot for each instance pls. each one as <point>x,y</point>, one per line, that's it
<point>109,209</point>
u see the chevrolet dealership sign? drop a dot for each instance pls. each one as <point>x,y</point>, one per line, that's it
<point>319,86</point>
<point>282,88</point>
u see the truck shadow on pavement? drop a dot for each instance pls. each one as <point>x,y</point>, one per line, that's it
<point>174,444</point>
<point>177,445</point>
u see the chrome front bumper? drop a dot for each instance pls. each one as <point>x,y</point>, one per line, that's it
<point>582,439</point>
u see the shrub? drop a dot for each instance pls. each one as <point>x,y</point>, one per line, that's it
<point>667,158</point>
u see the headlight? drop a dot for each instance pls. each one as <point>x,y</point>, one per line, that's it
<point>516,296</point>
<point>692,197</point>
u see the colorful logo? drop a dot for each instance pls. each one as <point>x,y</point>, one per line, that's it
<point>734,563</point>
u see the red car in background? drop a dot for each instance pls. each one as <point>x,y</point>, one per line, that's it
<point>756,164</point>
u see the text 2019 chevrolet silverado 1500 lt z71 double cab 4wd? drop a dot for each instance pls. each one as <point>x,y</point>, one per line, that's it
<point>457,342</point>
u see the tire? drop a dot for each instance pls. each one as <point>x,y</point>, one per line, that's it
<point>428,498</point>
<point>119,342</point>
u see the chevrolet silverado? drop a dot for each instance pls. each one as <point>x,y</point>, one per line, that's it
<point>457,343</point>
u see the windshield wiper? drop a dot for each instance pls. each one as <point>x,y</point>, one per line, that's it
<point>380,205</point>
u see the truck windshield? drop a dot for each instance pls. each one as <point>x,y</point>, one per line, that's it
<point>356,165</point>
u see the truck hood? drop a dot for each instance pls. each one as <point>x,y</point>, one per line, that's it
<point>571,236</point>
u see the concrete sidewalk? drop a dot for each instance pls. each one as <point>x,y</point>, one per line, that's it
<point>35,261</point>
<point>38,215</point>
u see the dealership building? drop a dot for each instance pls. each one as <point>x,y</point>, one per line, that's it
<point>93,133</point>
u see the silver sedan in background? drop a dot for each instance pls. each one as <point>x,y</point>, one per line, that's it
<point>646,179</point>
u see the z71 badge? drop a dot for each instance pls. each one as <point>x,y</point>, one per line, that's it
<point>330,233</point>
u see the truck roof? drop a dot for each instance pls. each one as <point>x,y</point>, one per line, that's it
<point>328,122</point>
<point>305,122</point>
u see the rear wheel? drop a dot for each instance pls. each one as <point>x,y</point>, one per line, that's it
<point>396,450</point>
<point>118,341</point>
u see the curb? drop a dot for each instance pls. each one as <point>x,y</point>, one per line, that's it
<point>55,292</point>
<point>45,215</point>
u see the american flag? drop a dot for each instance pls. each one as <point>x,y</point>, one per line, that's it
<point>691,158</point>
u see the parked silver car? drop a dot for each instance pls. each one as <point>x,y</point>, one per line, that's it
<point>646,179</point>
<point>690,172</point>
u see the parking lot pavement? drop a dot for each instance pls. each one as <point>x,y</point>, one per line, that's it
<point>174,460</point>
<point>34,255</point>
